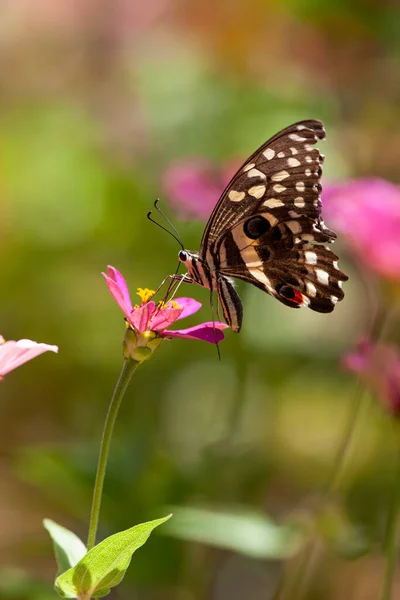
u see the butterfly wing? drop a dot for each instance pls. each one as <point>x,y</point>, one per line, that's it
<point>267,228</point>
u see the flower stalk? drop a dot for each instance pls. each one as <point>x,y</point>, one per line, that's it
<point>147,325</point>
<point>128,369</point>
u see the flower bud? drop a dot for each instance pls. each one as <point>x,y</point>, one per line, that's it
<point>140,346</point>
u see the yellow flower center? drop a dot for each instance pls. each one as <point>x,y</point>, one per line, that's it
<point>175,304</point>
<point>145,294</point>
<point>172,304</point>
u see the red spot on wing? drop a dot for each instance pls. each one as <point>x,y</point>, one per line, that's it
<point>297,298</point>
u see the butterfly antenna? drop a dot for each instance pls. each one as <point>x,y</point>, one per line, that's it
<point>170,223</point>
<point>174,233</point>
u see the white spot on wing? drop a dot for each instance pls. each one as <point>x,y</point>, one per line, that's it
<point>248,167</point>
<point>281,155</point>
<point>311,289</point>
<point>299,202</point>
<point>279,188</point>
<point>297,138</point>
<point>280,176</point>
<point>272,220</point>
<point>257,191</point>
<point>311,258</point>
<point>294,226</point>
<point>269,153</point>
<point>294,150</point>
<point>322,276</point>
<point>273,203</point>
<point>308,159</point>
<point>334,299</point>
<point>236,196</point>
<point>300,187</point>
<point>293,162</point>
<point>308,172</point>
<point>256,173</point>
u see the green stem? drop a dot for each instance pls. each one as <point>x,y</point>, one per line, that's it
<point>391,533</point>
<point>344,444</point>
<point>128,369</point>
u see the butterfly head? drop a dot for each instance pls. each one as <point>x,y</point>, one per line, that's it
<point>186,257</point>
<point>198,272</point>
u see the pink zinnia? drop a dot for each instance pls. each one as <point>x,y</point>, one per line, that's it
<point>367,212</point>
<point>150,317</point>
<point>378,366</point>
<point>194,186</point>
<point>14,354</point>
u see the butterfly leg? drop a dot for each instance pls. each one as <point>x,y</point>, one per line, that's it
<point>172,282</point>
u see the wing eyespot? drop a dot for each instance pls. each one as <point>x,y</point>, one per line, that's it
<point>289,293</point>
<point>256,227</point>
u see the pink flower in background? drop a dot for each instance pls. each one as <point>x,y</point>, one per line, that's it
<point>14,354</point>
<point>378,366</point>
<point>194,186</point>
<point>150,317</point>
<point>367,212</point>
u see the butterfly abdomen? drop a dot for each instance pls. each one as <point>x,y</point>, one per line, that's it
<point>230,302</point>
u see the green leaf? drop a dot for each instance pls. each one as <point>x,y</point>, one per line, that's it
<point>68,548</point>
<point>105,565</point>
<point>247,532</point>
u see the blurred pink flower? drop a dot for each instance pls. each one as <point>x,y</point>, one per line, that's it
<point>14,354</point>
<point>152,317</point>
<point>378,366</point>
<point>194,186</point>
<point>117,18</point>
<point>367,212</point>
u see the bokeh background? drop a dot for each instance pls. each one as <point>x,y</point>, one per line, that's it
<point>98,99</point>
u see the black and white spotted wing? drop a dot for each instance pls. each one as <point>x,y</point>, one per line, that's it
<point>267,229</point>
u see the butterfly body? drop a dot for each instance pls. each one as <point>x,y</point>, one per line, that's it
<point>267,229</point>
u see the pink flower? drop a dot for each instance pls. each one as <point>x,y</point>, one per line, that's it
<point>367,212</point>
<point>378,366</point>
<point>14,354</point>
<point>149,317</point>
<point>194,186</point>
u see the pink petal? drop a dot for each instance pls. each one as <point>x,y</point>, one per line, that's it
<point>119,290</point>
<point>164,317</point>
<point>13,354</point>
<point>357,360</point>
<point>208,332</point>
<point>140,317</point>
<point>189,305</point>
<point>193,187</point>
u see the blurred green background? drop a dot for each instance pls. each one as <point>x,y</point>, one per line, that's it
<point>97,99</point>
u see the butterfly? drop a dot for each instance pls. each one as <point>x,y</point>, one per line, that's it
<point>267,229</point>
